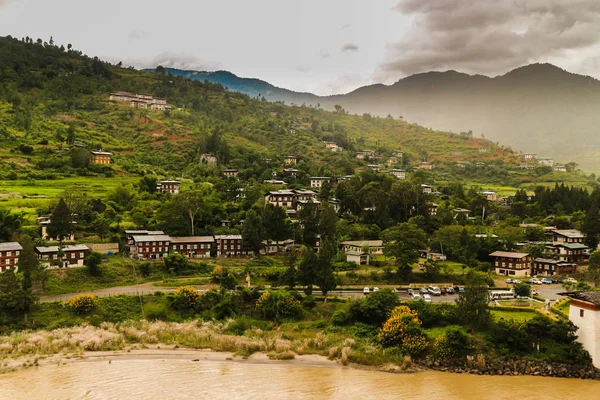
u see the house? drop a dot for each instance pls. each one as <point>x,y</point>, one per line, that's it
<point>373,246</point>
<point>291,171</point>
<point>569,252</point>
<point>425,165</point>
<point>398,154</point>
<point>318,181</point>
<point>9,255</point>
<point>141,100</point>
<point>44,222</point>
<point>281,198</point>
<point>433,209</point>
<point>462,164</point>
<point>512,264</point>
<point>272,247</point>
<point>530,156</point>
<point>333,147</point>
<point>559,168</point>
<point>392,161</point>
<point>479,164</point>
<point>357,257</point>
<point>193,246</point>
<point>168,186</point>
<point>208,159</point>
<point>290,160</point>
<point>398,173</point>
<point>130,233</point>
<point>336,149</point>
<point>567,236</point>
<point>491,196</point>
<point>548,162</point>
<point>150,247</point>
<point>100,157</point>
<point>429,255</point>
<point>72,256</point>
<point>275,182</point>
<point>374,167</point>
<point>426,188</point>
<point>483,150</point>
<point>301,203</point>
<point>230,245</point>
<point>550,267</point>
<point>304,194</point>
<point>584,313</point>
<point>230,172</point>
<point>363,155</point>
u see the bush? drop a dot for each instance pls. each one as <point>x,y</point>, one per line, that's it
<point>458,340</point>
<point>309,302</point>
<point>376,308</point>
<point>277,304</point>
<point>186,297</point>
<point>414,345</point>
<point>154,311</point>
<point>403,323</point>
<point>82,303</point>
<point>340,317</point>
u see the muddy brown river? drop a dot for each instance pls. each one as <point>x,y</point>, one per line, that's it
<point>182,379</point>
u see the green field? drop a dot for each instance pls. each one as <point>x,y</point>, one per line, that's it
<point>519,316</point>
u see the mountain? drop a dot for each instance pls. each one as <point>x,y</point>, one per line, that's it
<point>537,108</point>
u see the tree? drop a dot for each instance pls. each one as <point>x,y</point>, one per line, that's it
<point>522,289</point>
<point>253,233</point>
<point>593,272</point>
<point>403,242</point>
<point>9,223</point>
<point>327,222</point>
<point>309,220</point>
<point>101,225</point>
<point>591,226</point>
<point>148,184</point>
<point>92,262</point>
<point>473,303</point>
<point>432,270</point>
<point>28,261</point>
<point>324,277</point>
<point>13,296</point>
<point>306,269</point>
<point>290,276</point>
<point>175,263</point>
<point>80,158</point>
<point>275,223</point>
<point>61,222</point>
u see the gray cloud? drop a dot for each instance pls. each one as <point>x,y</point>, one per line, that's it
<point>324,54</point>
<point>138,34</point>
<point>490,36</point>
<point>345,26</point>
<point>172,60</point>
<point>349,47</point>
<point>303,68</point>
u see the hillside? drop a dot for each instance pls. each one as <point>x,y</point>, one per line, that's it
<point>55,105</point>
<point>537,108</point>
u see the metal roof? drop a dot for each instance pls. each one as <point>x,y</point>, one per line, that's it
<point>508,254</point>
<point>10,246</point>
<point>55,249</point>
<point>151,238</point>
<point>193,239</point>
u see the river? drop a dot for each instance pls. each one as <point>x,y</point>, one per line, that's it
<point>183,379</point>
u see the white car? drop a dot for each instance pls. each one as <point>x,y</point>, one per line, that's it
<point>572,280</point>
<point>376,289</point>
<point>427,298</point>
<point>366,290</point>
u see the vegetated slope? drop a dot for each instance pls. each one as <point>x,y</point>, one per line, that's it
<point>537,108</point>
<point>53,100</point>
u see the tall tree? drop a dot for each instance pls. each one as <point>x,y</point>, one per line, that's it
<point>275,223</point>
<point>324,277</point>
<point>309,220</point>
<point>593,272</point>
<point>9,223</point>
<point>28,261</point>
<point>61,222</point>
<point>473,303</point>
<point>306,269</point>
<point>253,233</point>
<point>327,222</point>
<point>591,226</point>
<point>403,242</point>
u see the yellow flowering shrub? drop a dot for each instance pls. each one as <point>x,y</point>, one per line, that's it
<point>441,348</point>
<point>402,322</point>
<point>187,296</point>
<point>414,345</point>
<point>82,303</point>
<point>278,304</point>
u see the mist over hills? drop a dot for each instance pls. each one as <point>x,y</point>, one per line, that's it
<point>537,108</point>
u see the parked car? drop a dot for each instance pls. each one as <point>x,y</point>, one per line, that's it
<point>571,280</point>
<point>444,290</point>
<point>427,298</point>
<point>376,289</point>
<point>409,291</point>
<point>450,290</point>
<point>434,290</point>
<point>423,290</point>
<point>509,281</point>
<point>461,289</point>
<point>546,281</point>
<point>417,297</point>
<point>366,290</point>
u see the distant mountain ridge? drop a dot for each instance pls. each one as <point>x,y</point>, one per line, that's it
<point>537,108</point>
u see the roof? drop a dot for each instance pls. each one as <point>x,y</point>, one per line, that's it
<point>170,181</point>
<point>230,170</point>
<point>546,261</point>
<point>590,296</point>
<point>508,254</point>
<point>10,246</point>
<point>143,232</point>
<point>355,253</point>
<point>573,246</point>
<point>362,243</point>
<point>55,249</point>
<point>193,239</point>
<point>570,233</point>
<point>151,238</point>
<point>321,178</point>
<point>221,237</point>
<point>101,153</point>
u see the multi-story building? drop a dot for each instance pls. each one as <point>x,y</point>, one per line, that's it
<point>144,101</point>
<point>230,172</point>
<point>290,160</point>
<point>208,159</point>
<point>398,173</point>
<point>68,256</point>
<point>318,181</point>
<point>584,313</point>
<point>281,198</point>
<point>150,247</point>
<point>566,236</point>
<point>425,165</point>
<point>569,252</point>
<point>512,264</point>
<point>491,196</point>
<point>100,157</point>
<point>168,186</point>
<point>9,255</point>
<point>193,246</point>
<point>550,267</point>
<point>230,246</point>
<point>368,246</point>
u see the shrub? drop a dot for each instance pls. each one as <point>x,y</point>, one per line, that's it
<point>340,317</point>
<point>309,302</point>
<point>277,304</point>
<point>414,345</point>
<point>458,340</point>
<point>376,307</point>
<point>403,323</point>
<point>154,311</point>
<point>186,297</point>
<point>82,303</point>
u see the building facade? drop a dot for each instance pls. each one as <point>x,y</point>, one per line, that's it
<point>512,264</point>
<point>168,187</point>
<point>100,157</point>
<point>72,256</point>
<point>150,247</point>
<point>551,267</point>
<point>9,255</point>
<point>193,246</point>
<point>584,313</point>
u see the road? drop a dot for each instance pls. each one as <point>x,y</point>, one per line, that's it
<point>144,288</point>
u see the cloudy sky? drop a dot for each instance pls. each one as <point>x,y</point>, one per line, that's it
<point>320,46</point>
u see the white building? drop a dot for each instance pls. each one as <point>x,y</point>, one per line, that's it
<point>491,196</point>
<point>584,313</point>
<point>560,168</point>
<point>398,173</point>
<point>317,181</point>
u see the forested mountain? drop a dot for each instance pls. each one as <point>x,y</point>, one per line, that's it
<point>54,106</point>
<point>537,108</point>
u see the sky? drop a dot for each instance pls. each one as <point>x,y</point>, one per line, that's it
<point>320,46</point>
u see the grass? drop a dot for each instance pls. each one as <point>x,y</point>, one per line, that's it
<point>519,316</point>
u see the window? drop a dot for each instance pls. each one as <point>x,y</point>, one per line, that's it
<point>581,313</point>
